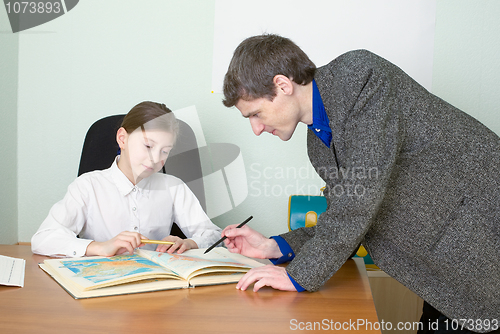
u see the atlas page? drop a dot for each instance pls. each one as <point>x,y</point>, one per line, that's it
<point>194,263</point>
<point>98,272</point>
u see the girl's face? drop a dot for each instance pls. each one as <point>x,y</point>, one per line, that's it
<point>143,152</point>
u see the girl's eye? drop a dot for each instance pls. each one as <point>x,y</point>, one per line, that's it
<point>147,146</point>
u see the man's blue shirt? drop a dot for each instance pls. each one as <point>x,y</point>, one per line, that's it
<point>288,255</point>
<point>321,123</point>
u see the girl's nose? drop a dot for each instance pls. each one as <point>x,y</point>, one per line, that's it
<point>154,156</point>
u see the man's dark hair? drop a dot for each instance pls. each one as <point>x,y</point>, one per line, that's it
<point>257,60</point>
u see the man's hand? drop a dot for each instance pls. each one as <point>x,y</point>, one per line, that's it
<point>181,245</point>
<point>123,242</point>
<point>251,243</point>
<point>270,275</point>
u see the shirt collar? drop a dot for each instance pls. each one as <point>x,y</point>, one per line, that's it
<point>321,124</point>
<point>124,185</point>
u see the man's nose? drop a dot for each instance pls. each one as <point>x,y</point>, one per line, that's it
<point>257,126</point>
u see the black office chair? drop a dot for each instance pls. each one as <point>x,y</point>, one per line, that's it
<point>100,149</point>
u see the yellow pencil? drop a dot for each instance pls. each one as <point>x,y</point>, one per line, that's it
<point>161,242</point>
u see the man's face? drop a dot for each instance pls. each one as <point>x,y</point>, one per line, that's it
<point>278,117</point>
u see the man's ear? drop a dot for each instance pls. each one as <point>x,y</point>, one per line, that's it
<point>121,137</point>
<point>284,84</point>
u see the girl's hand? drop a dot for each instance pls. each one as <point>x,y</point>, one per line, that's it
<point>180,245</point>
<point>123,242</point>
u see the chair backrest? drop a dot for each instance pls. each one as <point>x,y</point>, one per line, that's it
<point>100,149</point>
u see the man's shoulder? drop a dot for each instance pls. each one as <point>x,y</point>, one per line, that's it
<point>359,53</point>
<point>352,70</point>
<point>352,59</point>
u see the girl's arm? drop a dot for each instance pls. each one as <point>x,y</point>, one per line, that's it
<point>58,233</point>
<point>122,243</point>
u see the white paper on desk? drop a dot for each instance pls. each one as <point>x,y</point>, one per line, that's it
<point>12,271</point>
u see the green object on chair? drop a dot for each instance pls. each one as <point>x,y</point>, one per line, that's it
<point>303,211</point>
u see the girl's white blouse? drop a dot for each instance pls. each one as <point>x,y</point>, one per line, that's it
<point>101,204</point>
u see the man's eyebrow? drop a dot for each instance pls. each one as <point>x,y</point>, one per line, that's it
<point>250,114</point>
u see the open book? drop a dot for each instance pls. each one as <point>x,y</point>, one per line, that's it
<point>145,270</point>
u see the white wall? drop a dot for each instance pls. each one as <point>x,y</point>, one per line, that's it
<point>9,47</point>
<point>467,58</point>
<point>103,57</point>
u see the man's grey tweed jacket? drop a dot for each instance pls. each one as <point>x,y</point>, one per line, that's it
<point>414,179</point>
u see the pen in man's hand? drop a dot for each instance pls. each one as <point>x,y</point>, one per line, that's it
<point>224,237</point>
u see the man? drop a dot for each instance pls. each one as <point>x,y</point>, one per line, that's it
<point>428,210</point>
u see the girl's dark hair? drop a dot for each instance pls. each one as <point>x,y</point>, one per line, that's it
<point>151,116</point>
<point>255,63</point>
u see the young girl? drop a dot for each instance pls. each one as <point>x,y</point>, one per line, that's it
<point>113,209</point>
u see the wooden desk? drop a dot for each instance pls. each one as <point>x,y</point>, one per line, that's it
<point>42,306</point>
